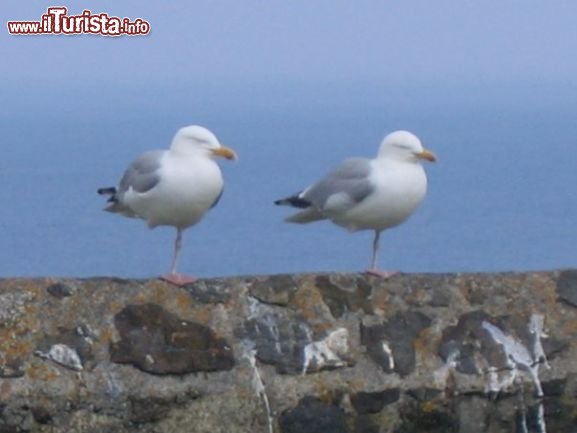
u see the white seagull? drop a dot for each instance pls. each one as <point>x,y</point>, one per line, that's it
<point>173,187</point>
<point>368,194</point>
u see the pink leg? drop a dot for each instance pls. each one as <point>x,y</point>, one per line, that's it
<point>173,277</point>
<point>177,279</point>
<point>381,274</point>
<point>373,270</point>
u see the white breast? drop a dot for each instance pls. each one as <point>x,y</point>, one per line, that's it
<point>188,187</point>
<point>399,189</point>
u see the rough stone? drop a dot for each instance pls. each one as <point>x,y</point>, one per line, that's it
<point>424,393</point>
<point>474,413</point>
<point>159,342</point>
<point>312,352</point>
<point>501,348</point>
<point>554,388</point>
<point>149,410</point>
<point>284,339</point>
<point>553,347</point>
<point>464,341</point>
<point>71,348</point>
<point>373,402</point>
<point>567,286</point>
<point>61,290</point>
<point>417,418</point>
<point>553,415</point>
<point>328,353</point>
<point>12,306</point>
<point>345,293</point>
<point>15,418</point>
<point>313,416</point>
<point>12,369</point>
<point>365,424</point>
<point>440,297</point>
<point>392,344</point>
<point>276,289</point>
<point>215,292</point>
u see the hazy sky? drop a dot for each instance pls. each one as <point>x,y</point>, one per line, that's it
<point>230,42</point>
<point>487,84</point>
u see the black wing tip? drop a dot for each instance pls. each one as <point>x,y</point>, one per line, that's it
<point>110,190</point>
<point>294,201</point>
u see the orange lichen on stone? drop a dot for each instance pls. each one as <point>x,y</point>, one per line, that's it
<point>426,341</point>
<point>308,301</point>
<point>19,349</point>
<point>323,391</point>
<point>380,300</point>
<point>5,389</point>
<point>105,335</point>
<point>429,406</point>
<point>570,327</point>
<point>309,342</point>
<point>183,302</point>
<point>200,315</point>
<point>418,296</point>
<point>114,306</point>
<point>160,294</point>
<point>42,371</point>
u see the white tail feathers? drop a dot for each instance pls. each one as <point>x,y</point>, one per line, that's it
<point>306,216</point>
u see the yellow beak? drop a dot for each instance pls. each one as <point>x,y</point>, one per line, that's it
<point>224,152</point>
<point>427,155</point>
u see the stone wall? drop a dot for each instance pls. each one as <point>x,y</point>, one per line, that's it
<point>326,353</point>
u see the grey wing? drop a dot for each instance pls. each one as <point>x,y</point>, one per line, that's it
<point>143,174</point>
<point>350,181</point>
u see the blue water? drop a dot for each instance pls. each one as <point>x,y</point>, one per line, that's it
<point>501,197</point>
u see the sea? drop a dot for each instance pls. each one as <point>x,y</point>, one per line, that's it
<point>501,196</point>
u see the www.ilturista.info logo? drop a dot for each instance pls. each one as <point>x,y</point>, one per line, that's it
<point>56,21</point>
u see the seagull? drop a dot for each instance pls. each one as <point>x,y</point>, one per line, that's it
<point>368,194</point>
<point>173,187</point>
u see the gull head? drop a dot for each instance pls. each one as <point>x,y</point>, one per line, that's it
<point>199,140</point>
<point>404,146</point>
